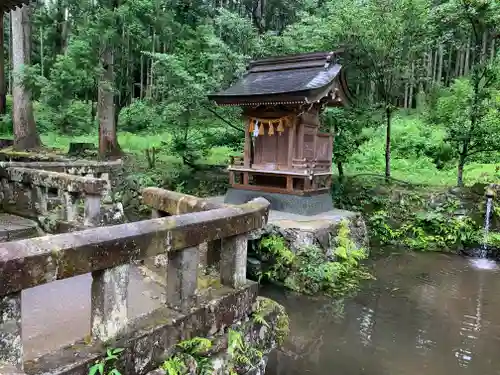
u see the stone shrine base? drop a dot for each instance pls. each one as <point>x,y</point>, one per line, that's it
<point>318,230</point>
<point>306,230</point>
<point>307,205</point>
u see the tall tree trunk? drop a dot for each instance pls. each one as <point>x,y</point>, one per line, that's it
<point>492,50</point>
<point>25,133</point>
<point>405,101</point>
<point>484,46</point>
<point>428,77</point>
<point>412,82</point>
<point>440,65</point>
<point>9,42</point>
<point>3,93</point>
<point>467,57</point>
<point>460,170</point>
<point>448,67</point>
<point>462,61</point>
<point>108,142</point>
<point>388,114</point>
<point>65,30</point>
<point>435,66</point>
<point>340,168</point>
<point>372,92</point>
<point>457,62</point>
<point>141,92</point>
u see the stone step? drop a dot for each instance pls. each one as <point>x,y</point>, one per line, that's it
<point>14,228</point>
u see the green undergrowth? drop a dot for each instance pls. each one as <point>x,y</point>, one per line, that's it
<point>415,217</point>
<point>229,355</point>
<point>194,356</point>
<point>312,271</point>
<point>420,155</point>
<point>106,366</point>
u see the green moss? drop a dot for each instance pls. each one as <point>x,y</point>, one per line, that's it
<point>265,306</point>
<point>310,270</point>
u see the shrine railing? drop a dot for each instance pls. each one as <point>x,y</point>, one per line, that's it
<point>107,252</point>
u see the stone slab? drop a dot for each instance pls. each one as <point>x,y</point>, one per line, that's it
<point>319,230</point>
<point>152,337</point>
<point>303,205</point>
<point>14,227</point>
<point>303,230</point>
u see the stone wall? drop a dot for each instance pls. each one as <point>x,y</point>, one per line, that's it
<point>260,336</point>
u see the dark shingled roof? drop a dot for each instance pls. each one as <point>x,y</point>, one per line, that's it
<point>302,78</point>
<point>8,5</point>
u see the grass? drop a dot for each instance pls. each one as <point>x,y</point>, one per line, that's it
<point>135,144</point>
<point>410,136</point>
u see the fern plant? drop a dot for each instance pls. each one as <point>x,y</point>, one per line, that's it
<point>106,366</point>
<point>190,351</point>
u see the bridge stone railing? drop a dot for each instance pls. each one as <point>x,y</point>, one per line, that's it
<point>107,253</point>
<point>83,168</point>
<point>165,203</point>
<point>62,196</point>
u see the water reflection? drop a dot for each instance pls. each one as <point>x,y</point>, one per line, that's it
<point>425,314</point>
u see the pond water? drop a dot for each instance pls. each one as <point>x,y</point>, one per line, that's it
<point>425,314</point>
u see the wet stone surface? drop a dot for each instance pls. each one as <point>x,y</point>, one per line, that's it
<point>15,228</point>
<point>59,313</point>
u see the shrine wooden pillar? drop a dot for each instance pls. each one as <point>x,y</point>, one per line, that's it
<point>248,144</point>
<point>247,150</point>
<point>291,142</point>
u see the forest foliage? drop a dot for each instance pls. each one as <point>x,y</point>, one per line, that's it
<point>156,61</point>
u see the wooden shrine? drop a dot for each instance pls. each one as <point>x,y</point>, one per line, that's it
<point>282,98</point>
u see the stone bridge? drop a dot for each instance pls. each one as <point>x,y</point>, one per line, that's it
<point>71,285</point>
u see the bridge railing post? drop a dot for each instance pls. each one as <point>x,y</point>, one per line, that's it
<point>41,199</point>
<point>233,261</point>
<point>70,201</point>
<point>182,278</point>
<point>11,346</point>
<point>92,210</point>
<point>109,302</point>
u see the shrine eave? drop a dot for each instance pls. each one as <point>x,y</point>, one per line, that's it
<point>289,80</point>
<point>277,99</point>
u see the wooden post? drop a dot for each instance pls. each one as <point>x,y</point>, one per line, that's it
<point>291,143</point>
<point>233,263</point>
<point>300,141</point>
<point>11,344</point>
<point>289,183</point>
<point>307,183</point>
<point>315,139</point>
<point>248,145</point>
<point>109,302</point>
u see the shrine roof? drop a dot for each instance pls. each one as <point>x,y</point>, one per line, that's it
<point>304,78</point>
<point>8,5</point>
